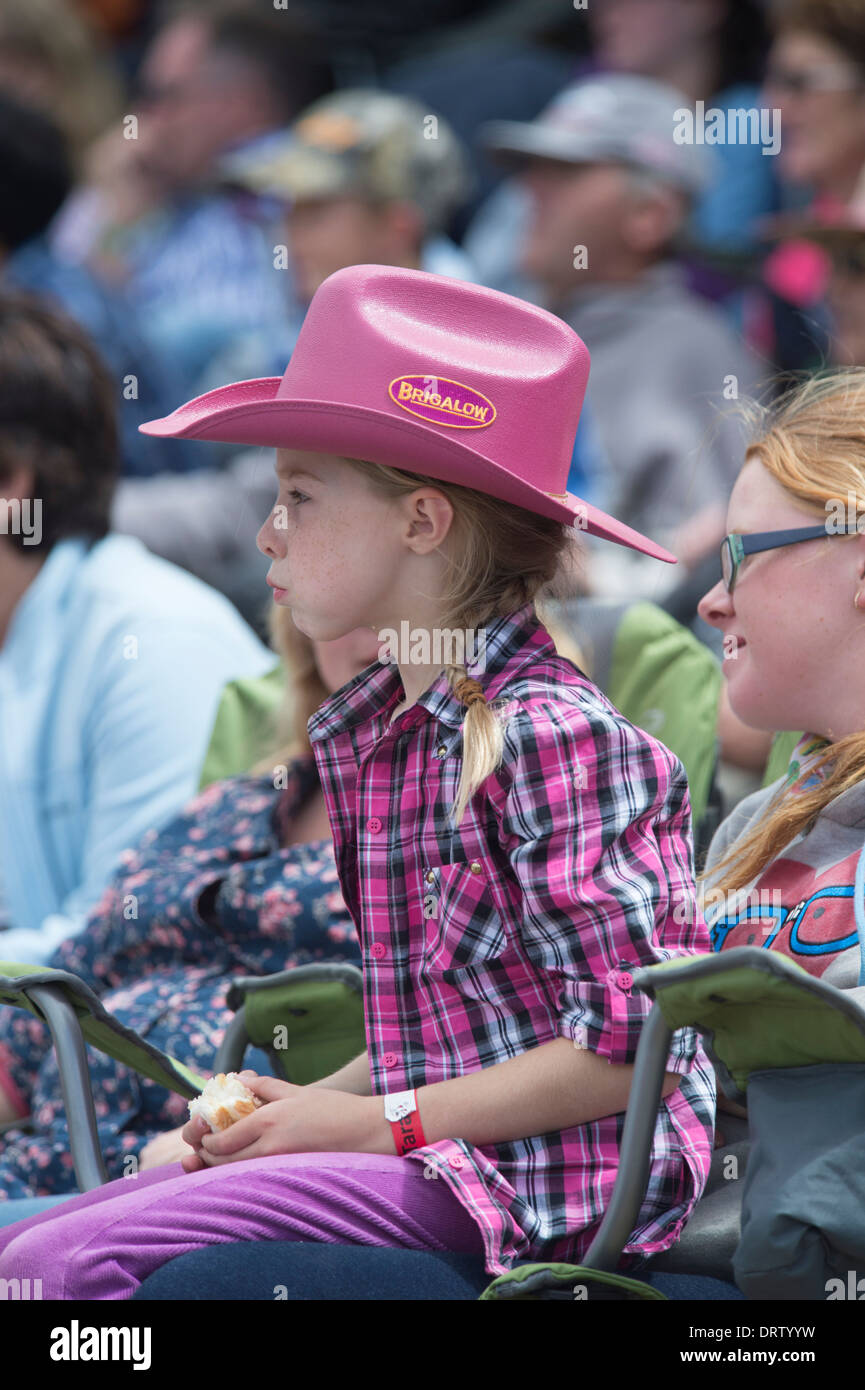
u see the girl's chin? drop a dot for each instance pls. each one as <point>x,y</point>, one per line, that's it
<point>758,713</point>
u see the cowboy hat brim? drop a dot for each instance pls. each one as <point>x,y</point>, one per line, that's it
<point>253,413</point>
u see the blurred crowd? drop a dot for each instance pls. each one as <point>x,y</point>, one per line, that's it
<point>682,181</point>
<point>179,178</point>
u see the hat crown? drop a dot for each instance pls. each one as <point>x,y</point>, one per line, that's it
<point>430,375</point>
<point>370,326</point>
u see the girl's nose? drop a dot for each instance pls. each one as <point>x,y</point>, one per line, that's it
<point>266,540</point>
<point>715,606</point>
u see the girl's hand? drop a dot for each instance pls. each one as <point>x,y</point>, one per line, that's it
<point>163,1148</point>
<point>294,1119</point>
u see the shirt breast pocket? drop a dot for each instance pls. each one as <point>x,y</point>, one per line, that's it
<point>462,926</point>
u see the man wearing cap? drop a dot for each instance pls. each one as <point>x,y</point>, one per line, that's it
<point>610,190</point>
<point>366,177</point>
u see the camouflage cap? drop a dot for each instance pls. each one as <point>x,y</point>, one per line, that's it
<point>369,143</point>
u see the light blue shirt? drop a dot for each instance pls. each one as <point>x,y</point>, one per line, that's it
<point>110,677</point>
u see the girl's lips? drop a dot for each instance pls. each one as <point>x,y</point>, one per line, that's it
<point>738,644</point>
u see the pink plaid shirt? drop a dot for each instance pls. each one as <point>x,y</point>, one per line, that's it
<point>521,926</point>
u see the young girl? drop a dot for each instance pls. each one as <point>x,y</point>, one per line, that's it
<point>791,605</point>
<point>781,870</point>
<point>509,847</point>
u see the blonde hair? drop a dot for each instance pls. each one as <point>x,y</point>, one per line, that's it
<point>502,557</point>
<point>303,693</point>
<point>812,442</point>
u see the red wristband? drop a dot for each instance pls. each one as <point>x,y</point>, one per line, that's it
<point>403,1116</point>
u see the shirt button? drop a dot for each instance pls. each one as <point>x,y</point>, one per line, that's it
<point>625,980</point>
<point>430,878</point>
<point>475,867</point>
<point>390,1059</point>
<point>378,950</point>
<point>374,824</point>
<point>456,1161</point>
<point>440,750</point>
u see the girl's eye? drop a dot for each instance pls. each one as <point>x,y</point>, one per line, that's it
<point>294,495</point>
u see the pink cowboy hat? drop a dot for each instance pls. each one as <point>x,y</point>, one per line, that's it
<point>430,375</point>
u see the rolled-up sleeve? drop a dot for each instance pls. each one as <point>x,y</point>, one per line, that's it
<point>595,818</point>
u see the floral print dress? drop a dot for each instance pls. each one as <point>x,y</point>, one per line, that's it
<point>210,896</point>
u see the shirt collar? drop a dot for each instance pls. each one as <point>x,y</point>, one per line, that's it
<point>504,646</point>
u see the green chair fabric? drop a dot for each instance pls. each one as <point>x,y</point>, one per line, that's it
<point>244,730</point>
<point>99,1028</point>
<point>309,1020</point>
<point>756,1010</point>
<point>575,1283</point>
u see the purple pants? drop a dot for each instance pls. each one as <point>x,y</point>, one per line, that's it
<point>103,1244</point>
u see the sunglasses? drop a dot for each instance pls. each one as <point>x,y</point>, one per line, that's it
<point>799,82</point>
<point>735,548</point>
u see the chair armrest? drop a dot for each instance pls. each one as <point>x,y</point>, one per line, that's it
<point>635,1153</point>
<point>62,1020</point>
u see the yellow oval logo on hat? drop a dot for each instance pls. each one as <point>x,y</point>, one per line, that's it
<point>440,401</point>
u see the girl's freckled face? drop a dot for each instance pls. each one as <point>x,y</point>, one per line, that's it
<point>789,619</point>
<point>333,544</point>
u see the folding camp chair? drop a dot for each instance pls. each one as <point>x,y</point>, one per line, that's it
<point>756,1010</point>
<point>309,1020</point>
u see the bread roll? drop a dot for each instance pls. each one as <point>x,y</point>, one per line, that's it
<point>224,1100</point>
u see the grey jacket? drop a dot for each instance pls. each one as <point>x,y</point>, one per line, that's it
<point>804,901</point>
<point>662,359</point>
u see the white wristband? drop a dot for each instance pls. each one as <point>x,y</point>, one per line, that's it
<point>399,1104</point>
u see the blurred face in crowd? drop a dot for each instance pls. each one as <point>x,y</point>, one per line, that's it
<point>647,36</point>
<point>599,207</point>
<point>195,103</point>
<point>821,97</point>
<point>790,618</point>
<point>28,77</point>
<point>327,234</point>
<point>846,297</point>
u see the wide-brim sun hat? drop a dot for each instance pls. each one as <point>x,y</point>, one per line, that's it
<point>430,375</point>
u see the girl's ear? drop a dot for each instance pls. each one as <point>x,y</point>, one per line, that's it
<point>430,515</point>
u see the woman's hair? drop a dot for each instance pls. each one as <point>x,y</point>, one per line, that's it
<point>812,442</point>
<point>839,22</point>
<point>501,557</point>
<point>304,691</point>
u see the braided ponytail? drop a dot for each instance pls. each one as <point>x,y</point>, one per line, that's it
<point>500,558</point>
<point>483,737</point>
